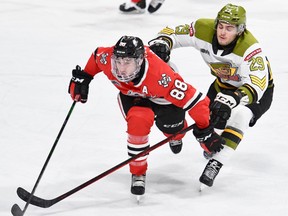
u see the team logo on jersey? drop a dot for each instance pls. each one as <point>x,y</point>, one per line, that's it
<point>103,59</point>
<point>164,81</point>
<point>182,29</point>
<point>225,71</point>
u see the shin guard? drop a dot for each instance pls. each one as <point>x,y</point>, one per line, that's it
<point>237,125</point>
<point>135,145</point>
<point>139,123</point>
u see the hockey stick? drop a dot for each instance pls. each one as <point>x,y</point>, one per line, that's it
<point>16,210</point>
<point>46,203</point>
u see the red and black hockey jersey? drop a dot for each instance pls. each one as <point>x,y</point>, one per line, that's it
<point>159,83</point>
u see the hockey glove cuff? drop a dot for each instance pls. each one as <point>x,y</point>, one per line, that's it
<point>209,140</point>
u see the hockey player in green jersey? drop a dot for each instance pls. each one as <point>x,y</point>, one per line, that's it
<point>243,88</point>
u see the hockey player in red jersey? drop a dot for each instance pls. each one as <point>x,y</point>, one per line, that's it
<point>149,91</point>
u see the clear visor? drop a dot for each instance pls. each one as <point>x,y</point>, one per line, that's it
<point>125,69</point>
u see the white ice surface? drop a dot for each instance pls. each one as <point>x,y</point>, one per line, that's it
<point>42,41</point>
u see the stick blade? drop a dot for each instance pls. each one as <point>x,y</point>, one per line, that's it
<point>16,211</point>
<point>33,200</point>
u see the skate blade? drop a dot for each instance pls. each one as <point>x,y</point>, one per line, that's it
<point>138,199</point>
<point>202,187</point>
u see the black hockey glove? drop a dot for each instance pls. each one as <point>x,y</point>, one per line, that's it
<point>160,48</point>
<point>220,109</point>
<point>79,85</point>
<point>209,140</point>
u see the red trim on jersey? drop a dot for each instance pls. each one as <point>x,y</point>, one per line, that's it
<point>191,30</point>
<point>255,52</point>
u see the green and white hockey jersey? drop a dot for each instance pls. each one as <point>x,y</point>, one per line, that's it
<point>245,67</point>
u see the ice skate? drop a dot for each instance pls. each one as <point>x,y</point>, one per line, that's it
<point>138,185</point>
<point>210,172</point>
<point>133,8</point>
<point>155,5</point>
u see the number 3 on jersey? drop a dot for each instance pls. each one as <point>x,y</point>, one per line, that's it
<point>179,92</point>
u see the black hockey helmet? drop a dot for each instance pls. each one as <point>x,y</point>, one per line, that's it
<point>129,50</point>
<point>129,46</point>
